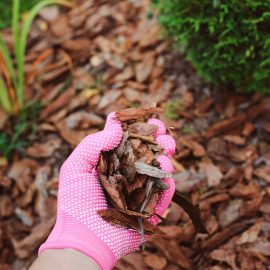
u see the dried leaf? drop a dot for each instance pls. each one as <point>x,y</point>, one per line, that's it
<point>41,180</point>
<point>235,139</point>
<point>198,149</point>
<point>58,103</point>
<point>3,118</point>
<point>263,173</point>
<point>6,206</point>
<point>131,261</point>
<point>225,255</point>
<point>212,172</point>
<point>155,262</point>
<point>173,252</point>
<point>192,211</point>
<point>187,181</point>
<point>217,149</point>
<point>127,74</point>
<point>82,119</point>
<point>60,27</point>
<point>248,129</point>
<point>250,235</point>
<point>231,213</point>
<point>49,13</point>
<point>143,69</point>
<point>172,231</point>
<point>220,237</point>
<point>247,191</point>
<point>71,136</point>
<point>25,217</point>
<point>108,98</point>
<point>42,150</point>
<point>39,233</point>
<point>261,246</point>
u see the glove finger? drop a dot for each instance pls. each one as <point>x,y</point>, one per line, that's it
<point>112,133</point>
<point>165,196</point>
<point>168,143</point>
<point>86,155</point>
<point>164,200</point>
<point>161,127</point>
<point>165,164</point>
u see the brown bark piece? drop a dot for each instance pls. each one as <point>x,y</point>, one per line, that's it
<point>112,188</point>
<point>116,217</point>
<point>135,114</point>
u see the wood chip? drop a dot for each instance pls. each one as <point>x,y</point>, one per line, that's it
<point>114,216</point>
<point>143,168</point>
<point>136,114</point>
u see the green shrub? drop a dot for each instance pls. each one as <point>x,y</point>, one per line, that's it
<point>228,42</point>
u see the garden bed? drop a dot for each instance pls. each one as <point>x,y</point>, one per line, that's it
<point>85,62</point>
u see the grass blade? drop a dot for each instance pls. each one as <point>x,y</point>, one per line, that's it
<point>23,38</point>
<point>8,60</point>
<point>4,98</point>
<point>15,24</point>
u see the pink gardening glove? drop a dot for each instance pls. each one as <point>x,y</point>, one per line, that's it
<point>78,226</point>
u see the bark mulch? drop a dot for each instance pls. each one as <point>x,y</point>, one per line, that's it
<point>103,56</point>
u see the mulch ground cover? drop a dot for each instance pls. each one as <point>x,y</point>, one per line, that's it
<point>103,56</point>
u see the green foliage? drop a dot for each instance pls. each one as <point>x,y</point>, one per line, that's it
<point>172,108</point>
<point>5,10</point>
<point>9,100</point>
<point>228,42</point>
<point>187,130</point>
<point>21,132</point>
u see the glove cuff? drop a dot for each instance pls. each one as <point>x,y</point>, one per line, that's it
<point>69,233</point>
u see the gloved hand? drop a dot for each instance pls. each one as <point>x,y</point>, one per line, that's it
<point>80,195</point>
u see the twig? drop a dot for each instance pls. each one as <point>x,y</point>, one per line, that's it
<point>140,220</point>
<point>148,191</point>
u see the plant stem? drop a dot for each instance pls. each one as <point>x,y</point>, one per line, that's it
<point>16,42</point>
<point>4,99</point>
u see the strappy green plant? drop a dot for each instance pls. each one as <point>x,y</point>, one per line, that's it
<point>12,80</point>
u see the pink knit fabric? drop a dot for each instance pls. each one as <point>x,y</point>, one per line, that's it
<point>80,195</point>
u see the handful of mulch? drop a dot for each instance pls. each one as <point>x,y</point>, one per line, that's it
<point>132,178</point>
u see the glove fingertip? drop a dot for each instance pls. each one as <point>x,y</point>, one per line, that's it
<point>112,133</point>
<point>165,164</point>
<point>111,121</point>
<point>161,130</point>
<point>168,143</point>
